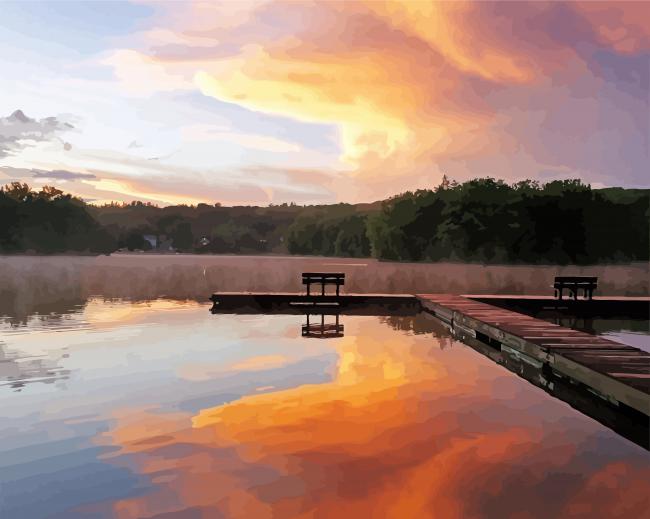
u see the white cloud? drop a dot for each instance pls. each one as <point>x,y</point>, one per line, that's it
<point>209,133</point>
<point>18,131</point>
<point>140,76</point>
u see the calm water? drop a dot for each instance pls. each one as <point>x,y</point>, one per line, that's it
<point>160,409</point>
<point>633,332</point>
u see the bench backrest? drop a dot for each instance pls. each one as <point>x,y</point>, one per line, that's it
<point>580,280</point>
<point>328,278</point>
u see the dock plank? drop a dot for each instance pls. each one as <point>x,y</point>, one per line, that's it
<point>590,356</point>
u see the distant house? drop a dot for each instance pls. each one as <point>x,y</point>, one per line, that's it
<point>165,244</point>
<point>159,242</point>
<point>152,239</point>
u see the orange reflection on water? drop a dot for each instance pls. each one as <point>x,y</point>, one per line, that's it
<point>102,314</point>
<point>396,433</point>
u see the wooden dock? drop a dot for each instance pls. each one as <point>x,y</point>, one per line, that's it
<point>291,303</point>
<point>614,371</point>
<point>607,307</point>
<point>617,373</point>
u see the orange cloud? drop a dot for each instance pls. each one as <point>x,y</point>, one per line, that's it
<point>131,188</point>
<point>420,87</point>
<point>621,25</point>
<point>449,28</point>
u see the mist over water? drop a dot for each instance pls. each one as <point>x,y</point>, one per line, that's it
<point>44,284</point>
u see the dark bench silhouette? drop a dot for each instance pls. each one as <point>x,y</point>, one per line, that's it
<point>322,330</point>
<point>573,284</point>
<point>323,278</point>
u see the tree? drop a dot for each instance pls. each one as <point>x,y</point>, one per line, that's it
<point>182,237</point>
<point>49,193</point>
<point>135,241</point>
<point>18,191</point>
<point>483,219</point>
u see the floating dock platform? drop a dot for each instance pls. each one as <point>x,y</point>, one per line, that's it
<point>618,373</point>
<point>614,371</point>
<point>284,302</point>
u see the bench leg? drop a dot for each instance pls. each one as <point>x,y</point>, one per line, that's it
<point>561,289</point>
<point>308,288</point>
<point>323,289</point>
<point>337,290</point>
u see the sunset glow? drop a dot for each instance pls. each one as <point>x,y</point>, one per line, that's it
<point>325,101</point>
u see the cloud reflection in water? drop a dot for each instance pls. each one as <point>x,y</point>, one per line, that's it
<point>403,429</point>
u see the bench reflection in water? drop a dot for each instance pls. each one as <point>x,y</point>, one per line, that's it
<point>320,329</point>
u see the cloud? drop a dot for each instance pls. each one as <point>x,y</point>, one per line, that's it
<point>17,131</point>
<point>253,102</point>
<point>109,176</point>
<point>417,89</point>
<point>61,174</point>
<point>139,75</point>
<point>12,173</point>
<point>208,133</point>
<point>172,186</point>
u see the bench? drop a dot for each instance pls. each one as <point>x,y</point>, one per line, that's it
<point>324,278</point>
<point>574,284</point>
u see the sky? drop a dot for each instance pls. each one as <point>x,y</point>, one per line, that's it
<point>259,102</point>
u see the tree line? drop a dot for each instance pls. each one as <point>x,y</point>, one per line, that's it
<point>482,220</point>
<point>490,220</point>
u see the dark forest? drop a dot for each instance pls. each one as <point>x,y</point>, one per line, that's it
<point>482,220</point>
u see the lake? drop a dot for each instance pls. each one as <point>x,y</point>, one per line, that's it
<point>138,405</point>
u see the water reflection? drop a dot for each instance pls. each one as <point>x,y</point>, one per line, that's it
<point>50,314</point>
<point>320,329</point>
<point>18,369</point>
<point>170,411</point>
<point>401,430</point>
<point>420,324</point>
<point>633,332</point>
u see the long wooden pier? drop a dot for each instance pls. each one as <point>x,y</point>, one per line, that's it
<point>616,372</point>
